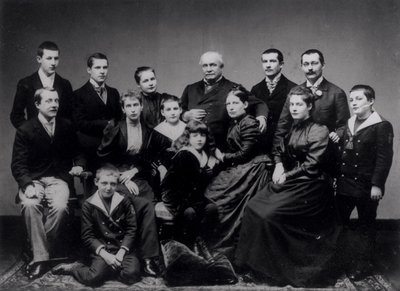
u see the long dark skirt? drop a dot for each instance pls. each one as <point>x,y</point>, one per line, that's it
<point>289,232</point>
<point>230,190</point>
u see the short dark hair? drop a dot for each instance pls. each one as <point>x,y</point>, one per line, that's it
<point>46,45</point>
<point>108,169</point>
<point>37,97</point>
<point>306,94</point>
<point>98,56</point>
<point>139,72</point>
<point>240,92</point>
<point>314,51</point>
<point>276,51</point>
<point>369,92</point>
<point>170,98</point>
<point>130,93</point>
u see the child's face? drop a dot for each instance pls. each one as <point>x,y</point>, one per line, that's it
<point>234,106</point>
<point>106,184</point>
<point>359,103</point>
<point>172,111</point>
<point>197,140</point>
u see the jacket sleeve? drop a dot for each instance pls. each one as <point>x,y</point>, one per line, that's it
<point>384,154</point>
<point>131,226</point>
<point>108,142</point>
<point>282,129</point>
<point>258,106</point>
<point>249,135</point>
<point>19,164</point>
<point>185,101</point>
<point>87,229</point>
<point>17,115</point>
<point>317,139</point>
<point>342,112</point>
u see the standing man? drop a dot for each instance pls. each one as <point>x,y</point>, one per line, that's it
<point>96,105</point>
<point>272,90</point>
<point>45,157</point>
<point>24,107</point>
<point>330,105</point>
<point>205,100</point>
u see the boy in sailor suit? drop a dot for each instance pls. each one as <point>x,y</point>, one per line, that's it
<point>366,158</point>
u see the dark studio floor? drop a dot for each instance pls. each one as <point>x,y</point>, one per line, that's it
<point>386,260</point>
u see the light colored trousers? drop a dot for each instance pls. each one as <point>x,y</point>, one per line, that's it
<point>44,217</point>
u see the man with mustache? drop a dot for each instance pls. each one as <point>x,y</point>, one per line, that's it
<point>96,104</point>
<point>45,157</point>
<point>24,108</point>
<point>205,100</point>
<point>272,90</point>
<point>330,105</point>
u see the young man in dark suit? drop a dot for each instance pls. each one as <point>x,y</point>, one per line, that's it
<point>365,161</point>
<point>330,106</point>
<point>45,157</point>
<point>272,90</point>
<point>96,104</point>
<point>205,100</point>
<point>24,107</point>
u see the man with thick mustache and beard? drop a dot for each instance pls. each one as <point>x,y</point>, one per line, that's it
<point>96,104</point>
<point>330,105</point>
<point>48,57</point>
<point>205,100</point>
<point>44,159</point>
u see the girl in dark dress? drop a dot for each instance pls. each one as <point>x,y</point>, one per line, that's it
<point>184,184</point>
<point>146,80</point>
<point>244,170</point>
<point>288,232</point>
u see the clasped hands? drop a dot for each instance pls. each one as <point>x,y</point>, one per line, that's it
<point>279,176</point>
<point>114,261</point>
<point>126,179</point>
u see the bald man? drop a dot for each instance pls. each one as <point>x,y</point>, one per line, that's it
<point>205,99</point>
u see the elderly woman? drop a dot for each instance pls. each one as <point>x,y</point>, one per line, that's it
<point>288,232</point>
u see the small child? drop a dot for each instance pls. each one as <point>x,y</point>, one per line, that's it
<point>184,184</point>
<point>165,133</point>
<point>108,231</point>
<point>366,158</point>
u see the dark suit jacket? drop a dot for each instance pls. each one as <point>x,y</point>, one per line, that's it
<point>217,118</point>
<point>91,115</point>
<point>23,99</point>
<point>111,230</point>
<point>275,102</point>
<point>330,109</point>
<point>36,155</point>
<point>367,162</point>
<point>113,149</point>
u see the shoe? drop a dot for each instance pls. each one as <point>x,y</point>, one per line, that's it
<point>64,269</point>
<point>37,271</point>
<point>29,267</point>
<point>150,268</point>
<point>204,250</point>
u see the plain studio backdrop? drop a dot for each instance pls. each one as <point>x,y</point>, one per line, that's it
<point>359,38</point>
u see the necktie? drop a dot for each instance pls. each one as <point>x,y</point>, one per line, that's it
<point>100,91</point>
<point>271,86</point>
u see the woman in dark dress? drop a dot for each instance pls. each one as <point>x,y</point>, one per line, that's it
<point>288,232</point>
<point>146,80</point>
<point>244,170</point>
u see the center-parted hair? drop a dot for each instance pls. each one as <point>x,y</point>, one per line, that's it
<point>240,92</point>
<point>130,93</point>
<point>140,70</point>
<point>306,94</point>
<point>369,92</point>
<point>194,126</point>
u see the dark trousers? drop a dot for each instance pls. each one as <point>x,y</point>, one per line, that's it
<point>198,220</point>
<point>363,234</point>
<point>148,244</point>
<point>98,271</point>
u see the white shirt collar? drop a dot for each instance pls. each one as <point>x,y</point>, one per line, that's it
<point>115,201</point>
<point>219,79</point>
<point>275,80</point>
<point>49,126</point>
<point>95,84</point>
<point>47,81</point>
<point>170,131</point>
<point>374,118</point>
<point>316,84</point>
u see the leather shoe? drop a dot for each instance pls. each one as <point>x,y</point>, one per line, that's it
<point>37,271</point>
<point>29,267</point>
<point>150,268</point>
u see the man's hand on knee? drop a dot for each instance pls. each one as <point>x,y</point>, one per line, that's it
<point>31,192</point>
